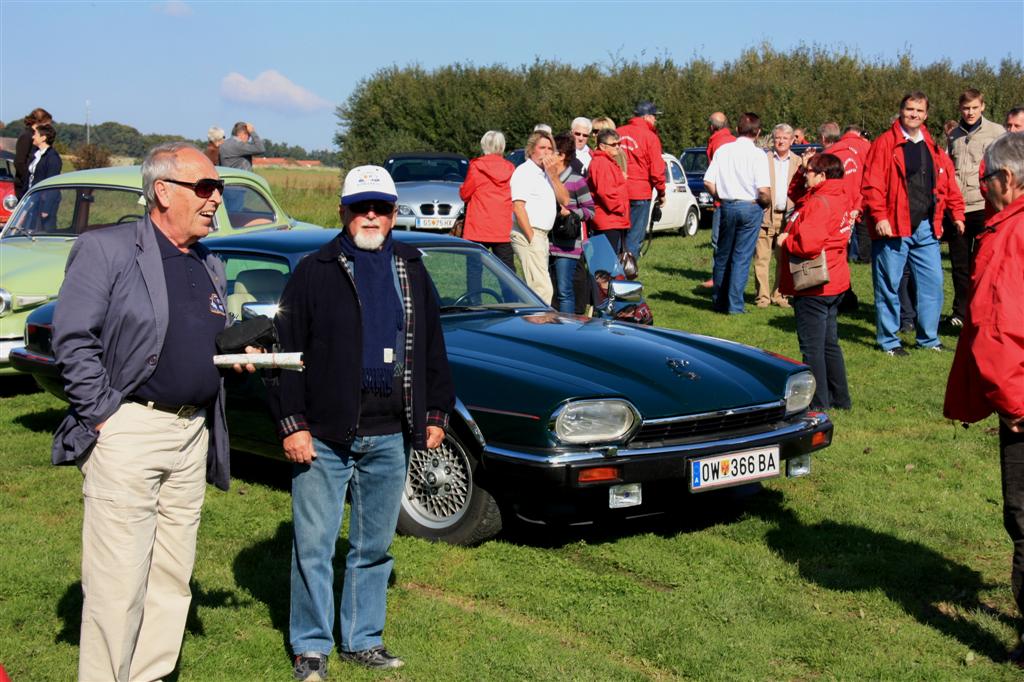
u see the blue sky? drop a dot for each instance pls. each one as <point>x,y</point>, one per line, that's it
<point>181,66</point>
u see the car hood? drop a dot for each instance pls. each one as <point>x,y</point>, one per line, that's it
<point>429,191</point>
<point>33,267</point>
<point>662,372</point>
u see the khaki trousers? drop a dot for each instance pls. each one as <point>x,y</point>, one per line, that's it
<point>533,256</point>
<point>763,270</point>
<point>143,489</point>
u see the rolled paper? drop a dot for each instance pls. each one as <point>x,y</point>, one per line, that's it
<point>261,360</point>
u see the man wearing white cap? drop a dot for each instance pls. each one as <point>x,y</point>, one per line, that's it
<point>377,382</point>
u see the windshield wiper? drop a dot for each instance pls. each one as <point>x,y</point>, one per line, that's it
<point>16,230</point>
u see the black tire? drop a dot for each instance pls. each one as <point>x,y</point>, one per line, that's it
<point>691,224</point>
<point>442,500</point>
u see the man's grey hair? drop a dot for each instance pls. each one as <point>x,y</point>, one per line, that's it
<point>718,120</point>
<point>1007,153</point>
<point>161,162</point>
<point>542,128</point>
<point>215,134</point>
<point>829,132</point>
<point>583,123</point>
<point>493,142</point>
<point>240,127</point>
<point>782,128</point>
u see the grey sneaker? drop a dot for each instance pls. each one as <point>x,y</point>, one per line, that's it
<point>896,352</point>
<point>938,348</point>
<point>377,657</point>
<point>311,666</point>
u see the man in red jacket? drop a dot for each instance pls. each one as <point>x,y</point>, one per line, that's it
<point>988,371</point>
<point>852,149</point>
<point>645,170</point>
<point>908,185</point>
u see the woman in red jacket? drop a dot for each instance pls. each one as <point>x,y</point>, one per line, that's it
<point>488,198</point>
<point>608,187</point>
<point>821,222</point>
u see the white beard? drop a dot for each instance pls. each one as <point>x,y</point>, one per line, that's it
<point>368,241</point>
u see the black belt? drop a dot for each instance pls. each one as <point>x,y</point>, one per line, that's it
<point>184,411</point>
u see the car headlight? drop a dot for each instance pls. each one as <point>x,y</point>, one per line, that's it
<point>594,421</point>
<point>799,392</point>
<point>5,303</point>
<point>705,198</point>
<point>404,209</point>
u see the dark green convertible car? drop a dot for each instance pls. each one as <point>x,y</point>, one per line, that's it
<point>558,416</point>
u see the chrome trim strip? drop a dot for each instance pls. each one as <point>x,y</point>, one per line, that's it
<point>467,418</point>
<point>598,454</point>
<point>505,413</point>
<point>712,415</point>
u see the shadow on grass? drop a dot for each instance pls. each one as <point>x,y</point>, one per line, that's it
<point>928,586</point>
<point>45,421</point>
<point>685,273</point>
<point>18,384</point>
<point>264,569</point>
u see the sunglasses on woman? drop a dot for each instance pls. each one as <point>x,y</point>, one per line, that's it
<point>204,188</point>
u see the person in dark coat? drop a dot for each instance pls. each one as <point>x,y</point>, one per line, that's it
<point>45,163</point>
<point>24,149</point>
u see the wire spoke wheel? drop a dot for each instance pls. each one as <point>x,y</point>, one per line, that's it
<point>438,489</point>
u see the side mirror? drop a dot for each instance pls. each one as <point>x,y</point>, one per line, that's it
<point>251,310</point>
<point>620,290</point>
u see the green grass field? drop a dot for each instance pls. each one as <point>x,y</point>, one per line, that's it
<point>889,562</point>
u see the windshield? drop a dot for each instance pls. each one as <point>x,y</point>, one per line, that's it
<point>70,211</point>
<point>695,163</point>
<point>427,169</point>
<point>467,277</point>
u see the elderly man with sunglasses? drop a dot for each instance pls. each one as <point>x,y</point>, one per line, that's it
<point>134,337</point>
<point>377,383</point>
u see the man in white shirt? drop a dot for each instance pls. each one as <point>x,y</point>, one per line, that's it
<point>580,129</point>
<point>782,166</point>
<point>739,176</point>
<point>537,194</point>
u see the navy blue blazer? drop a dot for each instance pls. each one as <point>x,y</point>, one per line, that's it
<point>108,330</point>
<point>49,165</point>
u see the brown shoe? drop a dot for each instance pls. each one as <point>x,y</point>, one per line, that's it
<point>782,303</point>
<point>762,304</point>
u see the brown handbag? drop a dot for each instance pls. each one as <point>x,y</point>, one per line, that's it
<point>809,272</point>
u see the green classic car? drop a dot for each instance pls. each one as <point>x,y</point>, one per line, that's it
<point>36,240</point>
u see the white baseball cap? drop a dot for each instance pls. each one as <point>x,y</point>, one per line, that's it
<point>368,182</point>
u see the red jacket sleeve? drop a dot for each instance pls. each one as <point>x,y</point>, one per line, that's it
<point>874,184</point>
<point>954,197</point>
<point>809,230</point>
<point>471,182</point>
<point>657,172</point>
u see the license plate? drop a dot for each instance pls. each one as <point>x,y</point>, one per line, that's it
<point>737,467</point>
<point>435,223</point>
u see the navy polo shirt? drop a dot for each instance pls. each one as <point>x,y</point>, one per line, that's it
<point>185,373</point>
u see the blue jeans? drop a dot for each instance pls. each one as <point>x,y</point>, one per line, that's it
<point>889,257</point>
<point>716,226</point>
<point>817,330</point>
<point>639,216</point>
<point>737,240</point>
<point>373,469</point>
<point>565,268</point>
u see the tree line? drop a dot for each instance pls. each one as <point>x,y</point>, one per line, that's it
<point>122,140</point>
<point>449,108</point>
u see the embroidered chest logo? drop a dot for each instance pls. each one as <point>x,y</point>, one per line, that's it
<point>216,305</point>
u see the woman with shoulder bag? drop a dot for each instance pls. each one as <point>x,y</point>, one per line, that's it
<point>569,231</point>
<point>813,270</point>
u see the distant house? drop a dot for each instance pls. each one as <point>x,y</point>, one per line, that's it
<point>264,161</point>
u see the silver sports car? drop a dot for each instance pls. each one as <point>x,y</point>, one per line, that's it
<point>428,188</point>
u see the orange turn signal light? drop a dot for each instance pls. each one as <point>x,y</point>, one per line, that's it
<point>598,474</point>
<point>819,440</point>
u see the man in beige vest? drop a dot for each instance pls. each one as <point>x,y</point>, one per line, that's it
<point>782,166</point>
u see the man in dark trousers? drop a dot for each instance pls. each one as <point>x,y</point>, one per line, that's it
<point>376,383</point>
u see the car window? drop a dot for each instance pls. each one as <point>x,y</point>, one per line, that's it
<point>470,276</point>
<point>695,163</point>
<point>253,279</point>
<point>427,169</point>
<point>70,211</point>
<point>678,176</point>
<point>246,207</point>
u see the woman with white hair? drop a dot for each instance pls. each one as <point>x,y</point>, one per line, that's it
<point>488,196</point>
<point>215,137</point>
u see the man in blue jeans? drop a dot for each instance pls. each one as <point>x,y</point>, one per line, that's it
<point>739,177</point>
<point>376,381</point>
<point>909,185</point>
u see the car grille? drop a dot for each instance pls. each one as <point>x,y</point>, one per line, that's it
<point>721,423</point>
<point>441,209</point>
<point>39,339</point>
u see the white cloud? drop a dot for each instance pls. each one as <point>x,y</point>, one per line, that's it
<point>173,8</point>
<point>270,89</point>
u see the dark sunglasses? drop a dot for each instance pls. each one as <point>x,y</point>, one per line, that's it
<point>991,174</point>
<point>378,207</point>
<point>611,144</point>
<point>204,188</point>
<point>581,134</point>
